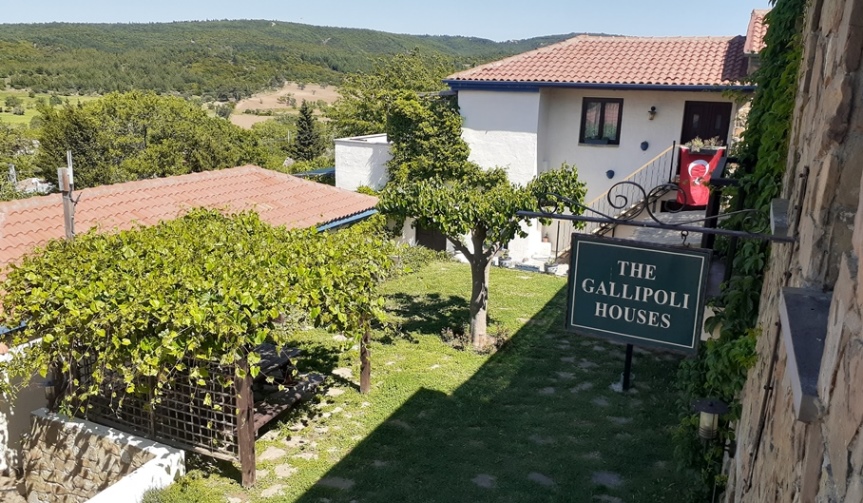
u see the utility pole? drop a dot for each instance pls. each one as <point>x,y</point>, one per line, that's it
<point>66,182</point>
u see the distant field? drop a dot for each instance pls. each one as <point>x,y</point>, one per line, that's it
<point>29,105</point>
<point>270,101</point>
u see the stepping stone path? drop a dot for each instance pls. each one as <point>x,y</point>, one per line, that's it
<point>581,387</point>
<point>285,471</point>
<point>340,338</point>
<point>586,365</point>
<point>308,456</point>
<point>378,463</point>
<point>593,456</point>
<point>607,479</point>
<point>620,420</point>
<point>540,479</point>
<point>485,481</point>
<point>272,491</point>
<point>546,391</point>
<point>401,424</point>
<point>343,372</point>
<point>337,483</point>
<point>261,474</point>
<point>540,440</point>
<point>600,402</point>
<point>567,359</point>
<point>565,375</point>
<point>608,499</point>
<point>335,392</point>
<point>234,500</point>
<point>271,454</point>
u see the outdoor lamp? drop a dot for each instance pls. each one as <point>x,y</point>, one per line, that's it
<point>50,390</point>
<point>709,410</point>
<point>610,173</point>
<point>651,113</point>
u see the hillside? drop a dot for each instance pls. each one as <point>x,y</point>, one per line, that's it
<point>214,59</point>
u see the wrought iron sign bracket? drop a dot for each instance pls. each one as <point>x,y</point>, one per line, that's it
<point>551,207</point>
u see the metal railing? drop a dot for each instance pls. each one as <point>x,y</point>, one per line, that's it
<point>620,200</point>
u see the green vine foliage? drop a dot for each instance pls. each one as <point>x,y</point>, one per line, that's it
<point>204,285</point>
<point>722,364</point>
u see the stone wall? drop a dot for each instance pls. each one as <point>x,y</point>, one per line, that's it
<point>778,458</point>
<point>70,461</point>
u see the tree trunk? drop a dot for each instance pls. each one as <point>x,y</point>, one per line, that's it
<point>479,270</point>
<point>365,363</point>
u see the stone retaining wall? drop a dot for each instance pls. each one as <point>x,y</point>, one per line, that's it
<point>780,458</point>
<point>69,461</point>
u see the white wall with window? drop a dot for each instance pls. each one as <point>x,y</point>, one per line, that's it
<point>603,130</point>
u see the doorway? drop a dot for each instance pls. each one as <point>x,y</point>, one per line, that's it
<point>705,120</point>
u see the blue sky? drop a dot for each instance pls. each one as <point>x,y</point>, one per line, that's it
<point>494,19</point>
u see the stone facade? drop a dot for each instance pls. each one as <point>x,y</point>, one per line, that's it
<point>778,458</point>
<point>67,462</point>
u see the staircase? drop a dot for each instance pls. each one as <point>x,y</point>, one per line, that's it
<point>621,201</point>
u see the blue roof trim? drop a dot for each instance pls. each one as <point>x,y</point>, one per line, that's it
<point>317,172</point>
<point>347,220</point>
<point>6,330</point>
<point>489,85</point>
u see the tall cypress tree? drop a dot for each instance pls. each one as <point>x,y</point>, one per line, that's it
<point>307,144</point>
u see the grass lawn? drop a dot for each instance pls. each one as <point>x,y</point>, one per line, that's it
<point>29,105</point>
<point>537,421</point>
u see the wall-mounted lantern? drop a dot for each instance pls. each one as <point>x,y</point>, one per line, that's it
<point>645,145</point>
<point>610,173</point>
<point>651,113</point>
<point>709,410</point>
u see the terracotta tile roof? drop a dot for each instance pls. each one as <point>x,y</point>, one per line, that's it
<point>585,59</point>
<point>280,199</point>
<point>755,32</point>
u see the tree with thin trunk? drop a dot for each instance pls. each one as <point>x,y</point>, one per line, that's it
<point>432,182</point>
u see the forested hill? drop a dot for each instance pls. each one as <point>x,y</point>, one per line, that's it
<point>215,59</point>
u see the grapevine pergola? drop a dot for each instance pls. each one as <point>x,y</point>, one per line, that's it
<point>161,330</point>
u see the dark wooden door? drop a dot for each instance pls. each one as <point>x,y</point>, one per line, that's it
<point>706,119</point>
<point>431,238</point>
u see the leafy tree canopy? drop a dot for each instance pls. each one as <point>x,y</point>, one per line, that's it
<point>432,182</point>
<point>136,135</point>
<point>366,98</point>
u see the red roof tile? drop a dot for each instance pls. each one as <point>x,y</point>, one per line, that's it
<point>585,59</point>
<point>278,198</point>
<point>755,32</point>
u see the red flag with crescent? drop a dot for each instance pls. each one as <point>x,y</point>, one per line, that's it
<point>695,171</point>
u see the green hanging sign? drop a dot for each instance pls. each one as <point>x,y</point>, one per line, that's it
<point>637,293</point>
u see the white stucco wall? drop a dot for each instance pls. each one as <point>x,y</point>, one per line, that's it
<point>15,414</point>
<point>15,421</point>
<point>361,161</point>
<point>501,130</point>
<point>559,131</point>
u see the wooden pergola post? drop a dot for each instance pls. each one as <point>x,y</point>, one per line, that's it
<point>246,425</point>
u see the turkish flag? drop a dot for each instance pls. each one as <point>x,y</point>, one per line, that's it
<point>695,171</point>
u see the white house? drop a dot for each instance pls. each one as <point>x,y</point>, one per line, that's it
<point>610,105</point>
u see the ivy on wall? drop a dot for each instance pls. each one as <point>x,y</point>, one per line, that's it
<point>721,367</point>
